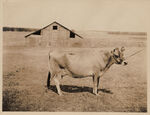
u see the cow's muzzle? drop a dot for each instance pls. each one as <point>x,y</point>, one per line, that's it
<point>122,62</point>
<point>125,63</point>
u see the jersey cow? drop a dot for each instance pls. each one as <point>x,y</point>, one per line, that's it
<point>91,63</point>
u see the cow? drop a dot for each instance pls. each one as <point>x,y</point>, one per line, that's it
<point>78,64</point>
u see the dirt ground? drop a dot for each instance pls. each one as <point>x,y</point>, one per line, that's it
<point>25,70</point>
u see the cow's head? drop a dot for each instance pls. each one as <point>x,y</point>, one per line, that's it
<point>118,56</point>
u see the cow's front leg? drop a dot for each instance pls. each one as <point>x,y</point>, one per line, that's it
<point>98,78</point>
<point>95,85</point>
<point>56,79</point>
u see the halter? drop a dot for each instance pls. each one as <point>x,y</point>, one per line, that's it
<point>109,64</point>
<point>113,55</point>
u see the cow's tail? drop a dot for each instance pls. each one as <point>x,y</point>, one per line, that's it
<point>49,73</point>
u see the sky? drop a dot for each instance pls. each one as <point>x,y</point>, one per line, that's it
<point>102,15</point>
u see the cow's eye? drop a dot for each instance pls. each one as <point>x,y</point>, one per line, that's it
<point>116,56</point>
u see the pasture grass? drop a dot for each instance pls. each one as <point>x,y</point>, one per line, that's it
<point>25,70</point>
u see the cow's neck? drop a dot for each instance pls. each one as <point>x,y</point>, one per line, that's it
<point>108,65</point>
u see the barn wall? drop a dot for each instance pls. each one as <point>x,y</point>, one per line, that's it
<point>33,40</point>
<point>54,38</point>
<point>58,38</point>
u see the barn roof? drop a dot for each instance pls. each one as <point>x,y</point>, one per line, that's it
<point>51,24</point>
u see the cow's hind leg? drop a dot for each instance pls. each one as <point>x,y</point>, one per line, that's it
<point>48,79</point>
<point>98,79</point>
<point>56,80</point>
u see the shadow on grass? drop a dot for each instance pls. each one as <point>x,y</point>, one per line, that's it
<point>77,89</point>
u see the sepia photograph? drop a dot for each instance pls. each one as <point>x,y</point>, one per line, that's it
<point>75,56</point>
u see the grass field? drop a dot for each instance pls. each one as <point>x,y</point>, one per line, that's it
<point>25,70</point>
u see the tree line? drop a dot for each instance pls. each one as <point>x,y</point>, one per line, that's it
<point>19,29</point>
<point>128,33</point>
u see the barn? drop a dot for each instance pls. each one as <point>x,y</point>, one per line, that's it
<point>54,35</point>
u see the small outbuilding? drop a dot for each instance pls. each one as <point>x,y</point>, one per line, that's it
<point>54,35</point>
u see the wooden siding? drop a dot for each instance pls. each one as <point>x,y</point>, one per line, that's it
<point>59,37</point>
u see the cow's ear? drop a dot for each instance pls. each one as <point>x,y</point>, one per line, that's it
<point>122,49</point>
<point>116,49</point>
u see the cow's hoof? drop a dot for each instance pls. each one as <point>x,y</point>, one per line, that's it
<point>96,94</point>
<point>125,63</point>
<point>60,94</point>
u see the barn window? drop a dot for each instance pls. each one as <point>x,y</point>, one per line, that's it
<point>72,35</point>
<point>37,32</point>
<point>54,27</point>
